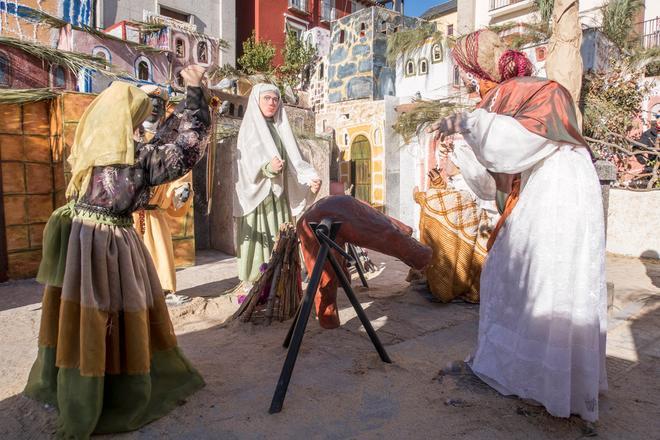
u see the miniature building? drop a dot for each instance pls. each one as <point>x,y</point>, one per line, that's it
<point>358,67</point>
<point>22,70</point>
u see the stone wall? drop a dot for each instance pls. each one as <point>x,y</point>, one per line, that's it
<point>357,63</point>
<point>632,223</point>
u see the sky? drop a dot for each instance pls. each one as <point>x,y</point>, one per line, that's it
<point>415,8</point>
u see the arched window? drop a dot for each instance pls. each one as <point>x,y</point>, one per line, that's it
<point>5,71</point>
<point>58,77</point>
<point>410,68</point>
<point>423,67</point>
<point>345,138</point>
<point>231,109</point>
<point>363,30</point>
<point>179,79</point>
<point>457,77</point>
<point>143,69</point>
<point>436,53</point>
<point>378,138</point>
<point>180,48</point>
<point>240,111</point>
<point>202,52</point>
<point>102,52</point>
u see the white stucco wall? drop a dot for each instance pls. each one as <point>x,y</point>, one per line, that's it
<point>633,223</point>
<point>652,9</point>
<point>436,84</point>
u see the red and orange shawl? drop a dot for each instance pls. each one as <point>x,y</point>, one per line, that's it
<point>543,107</point>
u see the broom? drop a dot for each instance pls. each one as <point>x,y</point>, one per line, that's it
<point>277,292</point>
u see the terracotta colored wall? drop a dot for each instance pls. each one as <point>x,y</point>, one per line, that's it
<point>34,139</point>
<point>30,179</point>
<point>267,19</point>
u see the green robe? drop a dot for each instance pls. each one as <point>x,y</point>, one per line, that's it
<point>258,229</point>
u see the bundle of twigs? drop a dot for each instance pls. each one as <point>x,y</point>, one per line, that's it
<point>22,96</point>
<point>276,294</point>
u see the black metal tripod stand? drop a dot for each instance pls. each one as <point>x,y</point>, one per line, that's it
<point>325,232</point>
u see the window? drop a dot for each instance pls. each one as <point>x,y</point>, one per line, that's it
<point>171,13</point>
<point>450,30</point>
<point>143,71</point>
<point>423,67</point>
<point>363,30</point>
<point>345,138</point>
<point>58,77</point>
<point>102,52</point>
<point>5,71</point>
<point>240,111</point>
<point>410,68</point>
<point>321,72</point>
<point>179,79</point>
<point>202,52</point>
<point>300,5</point>
<point>180,48</point>
<point>231,108</point>
<point>383,27</point>
<point>457,77</point>
<point>342,36</point>
<point>436,53</point>
<point>295,28</point>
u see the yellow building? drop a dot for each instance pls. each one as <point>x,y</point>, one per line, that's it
<point>445,16</point>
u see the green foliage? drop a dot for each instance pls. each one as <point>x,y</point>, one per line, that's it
<point>545,9</point>
<point>618,21</point>
<point>532,33</point>
<point>299,56</point>
<point>612,101</point>
<point>257,56</point>
<point>406,41</point>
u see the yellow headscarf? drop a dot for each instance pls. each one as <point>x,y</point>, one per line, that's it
<point>105,133</point>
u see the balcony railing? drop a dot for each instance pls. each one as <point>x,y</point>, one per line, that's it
<point>299,5</point>
<point>651,33</point>
<point>498,4</point>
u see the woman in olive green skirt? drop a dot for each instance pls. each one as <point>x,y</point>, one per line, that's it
<point>108,358</point>
<point>273,182</point>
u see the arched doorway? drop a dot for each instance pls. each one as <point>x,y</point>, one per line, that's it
<point>361,168</point>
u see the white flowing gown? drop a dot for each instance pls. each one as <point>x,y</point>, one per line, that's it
<point>542,323</point>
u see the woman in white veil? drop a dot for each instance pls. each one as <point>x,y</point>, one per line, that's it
<point>273,181</point>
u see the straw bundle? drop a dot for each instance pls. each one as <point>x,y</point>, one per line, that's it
<point>22,96</point>
<point>276,294</point>
<point>424,113</point>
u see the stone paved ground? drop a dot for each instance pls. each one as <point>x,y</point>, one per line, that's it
<point>340,389</point>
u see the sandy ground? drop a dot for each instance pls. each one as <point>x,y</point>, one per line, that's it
<point>340,389</point>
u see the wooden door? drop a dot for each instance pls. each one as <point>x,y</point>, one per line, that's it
<point>361,168</point>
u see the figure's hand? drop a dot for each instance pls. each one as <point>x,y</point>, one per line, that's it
<point>192,75</point>
<point>276,165</point>
<point>445,147</point>
<point>315,186</point>
<point>445,127</point>
<point>181,195</point>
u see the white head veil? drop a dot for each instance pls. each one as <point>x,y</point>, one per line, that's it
<point>256,148</point>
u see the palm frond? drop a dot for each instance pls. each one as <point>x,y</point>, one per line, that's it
<point>618,20</point>
<point>422,114</point>
<point>22,96</point>
<point>74,61</point>
<point>408,40</point>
